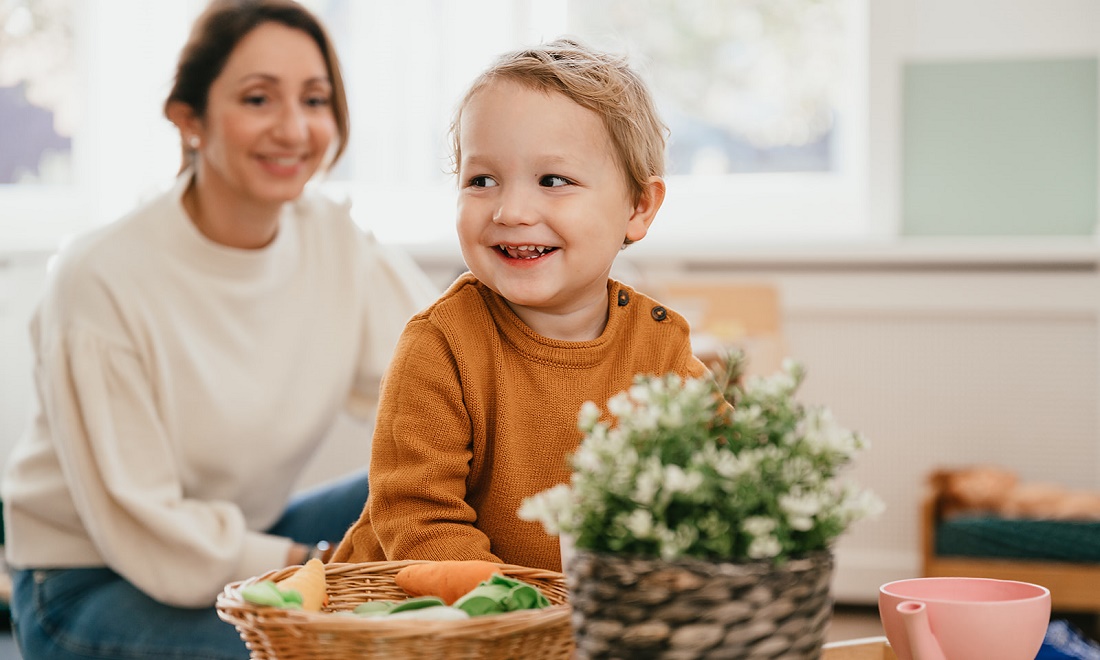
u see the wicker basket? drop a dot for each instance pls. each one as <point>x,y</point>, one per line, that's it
<point>277,634</point>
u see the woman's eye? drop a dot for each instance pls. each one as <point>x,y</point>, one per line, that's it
<point>482,182</point>
<point>553,181</point>
<point>318,101</point>
<point>255,99</point>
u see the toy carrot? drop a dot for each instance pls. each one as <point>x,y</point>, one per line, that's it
<point>449,580</point>
<point>309,581</point>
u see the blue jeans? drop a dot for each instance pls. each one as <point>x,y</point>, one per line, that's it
<point>71,613</point>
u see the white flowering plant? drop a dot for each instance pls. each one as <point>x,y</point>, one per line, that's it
<point>729,468</point>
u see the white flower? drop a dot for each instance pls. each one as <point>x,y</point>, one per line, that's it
<point>640,523</point>
<point>758,525</point>
<point>678,481</point>
<point>588,459</point>
<point>673,542</point>
<point>695,388</point>
<point>620,405</point>
<point>672,416</point>
<point>643,420</point>
<point>589,416</point>
<point>856,504</point>
<point>823,433</point>
<point>800,509</point>
<point>640,393</point>
<point>550,507</point>
<point>674,474</point>
<point>764,547</point>
<point>647,484</point>
<point>747,414</point>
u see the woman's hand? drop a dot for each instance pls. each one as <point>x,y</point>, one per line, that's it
<point>300,554</point>
<point>297,554</point>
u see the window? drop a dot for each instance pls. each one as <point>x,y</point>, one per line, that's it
<point>37,95</point>
<point>764,101</point>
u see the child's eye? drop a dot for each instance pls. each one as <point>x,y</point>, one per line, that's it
<point>482,182</point>
<point>553,181</point>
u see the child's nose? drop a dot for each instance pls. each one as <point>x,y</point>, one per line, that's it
<point>515,208</point>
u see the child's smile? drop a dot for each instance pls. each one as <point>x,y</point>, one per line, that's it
<point>525,251</point>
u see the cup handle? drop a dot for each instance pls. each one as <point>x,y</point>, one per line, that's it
<point>922,643</point>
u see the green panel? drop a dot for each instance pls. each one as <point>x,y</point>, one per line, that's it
<point>1000,148</point>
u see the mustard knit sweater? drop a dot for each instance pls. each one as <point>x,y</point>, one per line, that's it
<point>479,412</point>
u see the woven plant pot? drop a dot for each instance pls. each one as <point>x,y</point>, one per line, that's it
<point>632,608</point>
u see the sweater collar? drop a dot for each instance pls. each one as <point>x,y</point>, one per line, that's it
<point>222,259</point>
<point>573,354</point>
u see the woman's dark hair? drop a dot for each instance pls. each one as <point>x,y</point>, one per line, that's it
<point>216,34</point>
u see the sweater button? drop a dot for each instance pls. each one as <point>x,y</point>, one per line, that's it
<point>659,313</point>
<point>624,298</point>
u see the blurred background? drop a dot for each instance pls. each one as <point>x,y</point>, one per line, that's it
<point>914,181</point>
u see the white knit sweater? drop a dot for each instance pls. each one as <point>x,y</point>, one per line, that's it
<point>182,387</point>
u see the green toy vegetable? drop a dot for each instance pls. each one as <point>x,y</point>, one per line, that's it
<point>268,593</point>
<point>501,594</point>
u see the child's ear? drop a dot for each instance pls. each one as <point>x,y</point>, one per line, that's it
<point>649,202</point>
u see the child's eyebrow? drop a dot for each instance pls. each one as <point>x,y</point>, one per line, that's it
<point>556,159</point>
<point>541,162</point>
<point>473,160</point>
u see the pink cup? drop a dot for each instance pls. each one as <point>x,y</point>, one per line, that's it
<point>961,618</point>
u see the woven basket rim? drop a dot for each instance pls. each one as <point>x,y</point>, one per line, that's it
<point>232,608</point>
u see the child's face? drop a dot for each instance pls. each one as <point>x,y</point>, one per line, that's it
<point>543,206</point>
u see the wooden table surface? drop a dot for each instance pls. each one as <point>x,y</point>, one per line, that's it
<point>870,648</point>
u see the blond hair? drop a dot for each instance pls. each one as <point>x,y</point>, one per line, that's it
<point>599,81</point>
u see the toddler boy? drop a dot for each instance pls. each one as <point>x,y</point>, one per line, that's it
<point>559,155</point>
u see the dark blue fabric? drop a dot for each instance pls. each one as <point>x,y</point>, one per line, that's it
<point>1004,538</point>
<point>1063,641</point>
<point>95,614</point>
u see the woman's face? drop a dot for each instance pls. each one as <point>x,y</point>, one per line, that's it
<point>269,121</point>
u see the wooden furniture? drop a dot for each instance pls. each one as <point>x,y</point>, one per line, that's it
<point>1073,586</point>
<point>870,648</point>
<point>730,314</point>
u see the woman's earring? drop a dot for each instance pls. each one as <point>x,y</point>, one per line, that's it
<point>193,142</point>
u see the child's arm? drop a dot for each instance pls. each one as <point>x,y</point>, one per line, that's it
<point>420,457</point>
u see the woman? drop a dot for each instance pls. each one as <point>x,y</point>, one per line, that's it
<point>190,357</point>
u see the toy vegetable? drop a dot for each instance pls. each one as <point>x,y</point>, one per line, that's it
<point>449,580</point>
<point>309,582</point>
<point>501,594</point>
<point>428,608</point>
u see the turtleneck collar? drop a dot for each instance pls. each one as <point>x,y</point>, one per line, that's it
<point>220,259</point>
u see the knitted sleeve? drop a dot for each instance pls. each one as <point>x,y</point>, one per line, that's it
<point>420,458</point>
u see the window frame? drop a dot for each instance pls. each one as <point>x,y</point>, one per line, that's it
<point>730,209</point>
